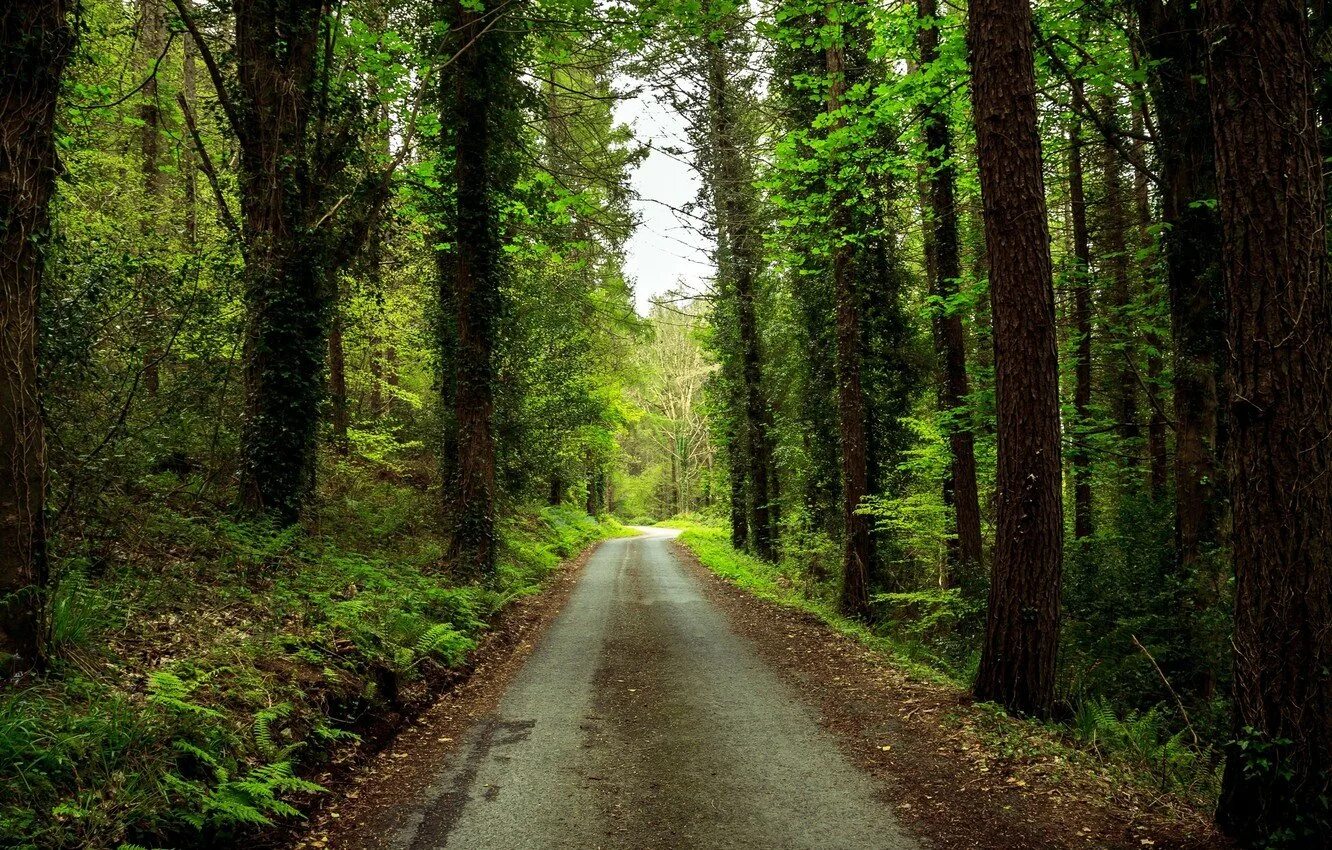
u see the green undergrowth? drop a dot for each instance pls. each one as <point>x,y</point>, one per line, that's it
<point>918,634</point>
<point>204,668</point>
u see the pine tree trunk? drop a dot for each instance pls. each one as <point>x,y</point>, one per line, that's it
<point>1082,322</point>
<point>1191,244</point>
<point>1022,627</point>
<point>946,264</point>
<point>1279,333</point>
<point>36,40</point>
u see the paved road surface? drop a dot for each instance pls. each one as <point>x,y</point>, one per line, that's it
<point>641,721</point>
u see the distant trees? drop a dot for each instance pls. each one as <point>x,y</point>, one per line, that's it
<point>1022,627</point>
<point>36,40</point>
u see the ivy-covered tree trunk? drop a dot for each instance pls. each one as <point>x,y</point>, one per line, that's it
<point>740,261</point>
<point>1022,627</point>
<point>152,45</point>
<point>482,115</point>
<point>36,39</point>
<point>946,264</point>
<point>1279,334</point>
<point>857,544</point>
<point>277,46</point>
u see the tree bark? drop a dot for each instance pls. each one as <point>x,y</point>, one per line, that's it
<point>1279,332</point>
<point>1022,626</point>
<point>152,46</point>
<point>1082,325</point>
<point>951,341</point>
<point>36,39</point>
<point>337,383</point>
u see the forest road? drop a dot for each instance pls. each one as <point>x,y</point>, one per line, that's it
<point>642,721</point>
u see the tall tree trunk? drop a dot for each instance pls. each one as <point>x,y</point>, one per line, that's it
<point>337,382</point>
<point>152,46</point>
<point>276,48</point>
<point>1115,258</point>
<point>483,112</point>
<point>188,163</point>
<point>1192,243</point>
<point>1082,324</point>
<point>1157,452</point>
<point>739,488</point>
<point>36,39</point>
<point>951,341</point>
<point>1022,627</point>
<point>1279,332</point>
<point>740,261</point>
<point>858,545</point>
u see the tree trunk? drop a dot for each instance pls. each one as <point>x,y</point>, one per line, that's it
<point>36,39</point>
<point>556,497</point>
<point>276,49</point>
<point>1157,456</point>
<point>1279,332</point>
<point>951,341</point>
<point>740,263</point>
<point>858,545</point>
<point>1082,322</point>
<point>337,383</point>
<point>188,163</point>
<point>1191,244</point>
<point>1022,627</point>
<point>152,46</point>
<point>1115,259</point>
<point>482,104</point>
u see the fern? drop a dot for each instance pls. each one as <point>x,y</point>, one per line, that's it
<point>263,730</point>
<point>172,692</point>
<point>444,641</point>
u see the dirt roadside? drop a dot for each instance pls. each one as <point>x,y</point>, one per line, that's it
<point>922,743</point>
<point>364,805</point>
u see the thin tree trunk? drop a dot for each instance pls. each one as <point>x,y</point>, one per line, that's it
<point>337,383</point>
<point>946,264</point>
<point>152,45</point>
<point>1022,627</point>
<point>1114,255</point>
<point>1279,332</point>
<point>742,260</point>
<point>1082,323</point>
<point>188,157</point>
<point>858,545</point>
<point>1157,454</point>
<point>36,39</point>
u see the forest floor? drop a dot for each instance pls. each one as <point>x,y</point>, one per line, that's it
<point>643,701</point>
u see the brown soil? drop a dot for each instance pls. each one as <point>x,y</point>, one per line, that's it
<point>934,751</point>
<point>366,796</point>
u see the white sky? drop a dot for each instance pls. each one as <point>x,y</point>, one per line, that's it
<point>664,253</point>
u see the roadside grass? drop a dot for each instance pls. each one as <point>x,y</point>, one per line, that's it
<point>1142,748</point>
<point>203,667</point>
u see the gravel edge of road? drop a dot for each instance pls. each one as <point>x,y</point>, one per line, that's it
<point>919,743</point>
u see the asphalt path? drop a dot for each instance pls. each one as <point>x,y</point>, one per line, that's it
<point>643,721</point>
